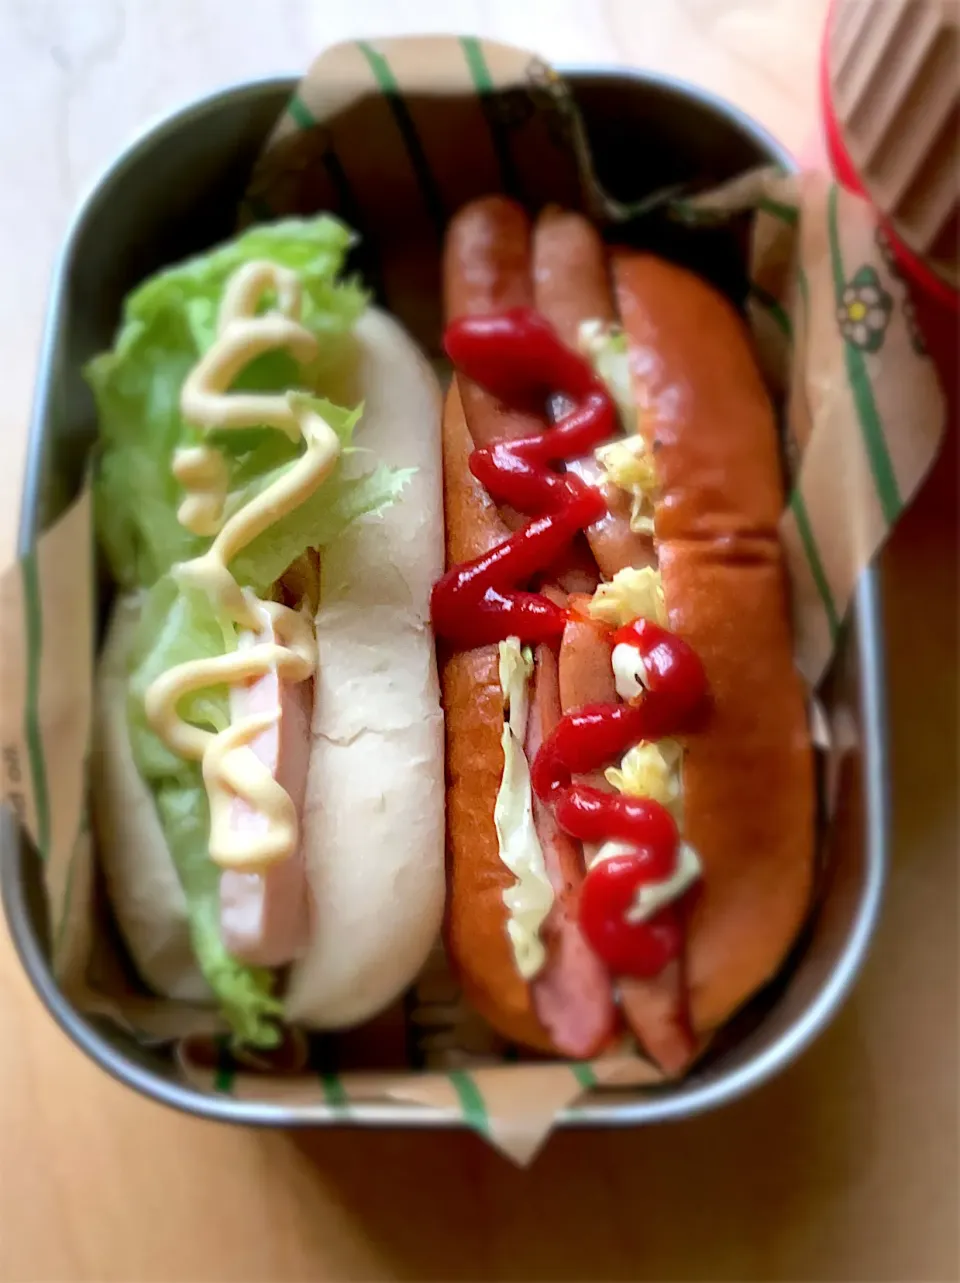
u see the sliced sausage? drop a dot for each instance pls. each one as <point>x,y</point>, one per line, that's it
<point>265,917</point>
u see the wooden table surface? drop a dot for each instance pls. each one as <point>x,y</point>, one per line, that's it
<point>844,1168</point>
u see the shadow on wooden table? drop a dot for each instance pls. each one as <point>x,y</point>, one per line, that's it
<point>715,1197</point>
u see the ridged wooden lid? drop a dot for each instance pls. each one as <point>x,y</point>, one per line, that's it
<point>894,71</point>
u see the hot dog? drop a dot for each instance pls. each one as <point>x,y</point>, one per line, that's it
<point>267,773</point>
<point>689,896</point>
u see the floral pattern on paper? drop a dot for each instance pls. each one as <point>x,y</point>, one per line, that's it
<point>864,311</point>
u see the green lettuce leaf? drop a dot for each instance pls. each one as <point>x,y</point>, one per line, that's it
<point>339,501</point>
<point>244,994</point>
<point>605,347</point>
<point>168,323</point>
<point>175,627</point>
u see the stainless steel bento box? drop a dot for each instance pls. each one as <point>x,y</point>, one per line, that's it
<point>175,191</point>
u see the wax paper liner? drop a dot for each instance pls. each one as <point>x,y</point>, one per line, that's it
<point>395,135</point>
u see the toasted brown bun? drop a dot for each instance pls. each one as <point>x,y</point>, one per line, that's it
<point>748,773</point>
<point>475,933</point>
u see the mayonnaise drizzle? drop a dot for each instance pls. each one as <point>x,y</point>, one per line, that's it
<point>202,471</point>
<point>230,766</point>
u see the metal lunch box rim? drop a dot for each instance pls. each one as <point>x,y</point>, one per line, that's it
<point>169,121</point>
<point>683,1102</point>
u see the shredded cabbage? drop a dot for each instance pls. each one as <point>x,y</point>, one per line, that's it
<point>651,770</point>
<point>529,899</point>
<point>168,323</point>
<point>631,594</point>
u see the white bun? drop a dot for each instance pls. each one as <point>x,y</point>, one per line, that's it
<point>142,883</point>
<point>373,825</point>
